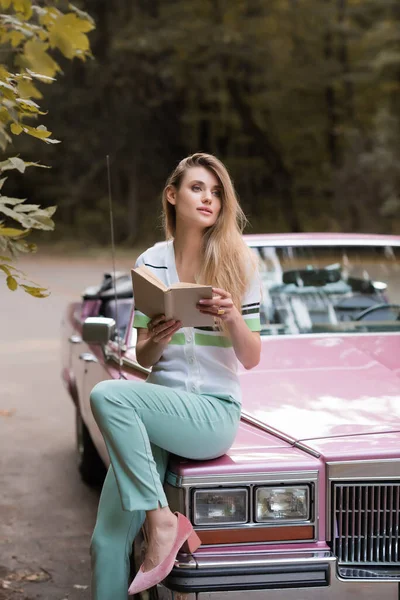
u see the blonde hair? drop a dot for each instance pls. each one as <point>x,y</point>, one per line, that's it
<point>226,256</point>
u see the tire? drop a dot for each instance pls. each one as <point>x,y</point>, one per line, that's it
<point>90,465</point>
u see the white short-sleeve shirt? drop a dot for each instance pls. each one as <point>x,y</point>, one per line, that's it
<point>197,359</point>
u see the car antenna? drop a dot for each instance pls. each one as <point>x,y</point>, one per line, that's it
<point>113,261</point>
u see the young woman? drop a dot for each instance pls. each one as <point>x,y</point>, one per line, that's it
<point>190,403</point>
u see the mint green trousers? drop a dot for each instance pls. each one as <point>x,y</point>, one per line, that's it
<point>142,423</point>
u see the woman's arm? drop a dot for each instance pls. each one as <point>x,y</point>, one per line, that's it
<point>246,343</point>
<point>151,342</point>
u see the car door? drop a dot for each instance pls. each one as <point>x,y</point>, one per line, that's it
<point>99,366</point>
<point>95,369</point>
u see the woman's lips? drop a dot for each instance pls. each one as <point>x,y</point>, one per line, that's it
<point>206,211</point>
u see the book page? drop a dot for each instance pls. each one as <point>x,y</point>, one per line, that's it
<point>183,305</point>
<point>148,296</point>
<point>186,285</point>
<point>147,274</point>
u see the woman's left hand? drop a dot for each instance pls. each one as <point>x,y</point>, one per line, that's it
<point>220,305</point>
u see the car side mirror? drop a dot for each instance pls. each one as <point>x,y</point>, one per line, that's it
<point>98,330</point>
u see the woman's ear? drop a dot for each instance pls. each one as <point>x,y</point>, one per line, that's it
<point>171,194</point>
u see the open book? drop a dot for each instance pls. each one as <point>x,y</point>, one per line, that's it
<point>153,297</point>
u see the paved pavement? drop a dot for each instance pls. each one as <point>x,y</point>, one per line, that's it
<point>46,513</point>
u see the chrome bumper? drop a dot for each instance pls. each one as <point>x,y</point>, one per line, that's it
<point>281,576</point>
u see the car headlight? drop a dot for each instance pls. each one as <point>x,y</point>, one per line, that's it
<point>289,503</point>
<point>211,507</point>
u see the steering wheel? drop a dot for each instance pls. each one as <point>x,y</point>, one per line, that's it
<point>365,313</point>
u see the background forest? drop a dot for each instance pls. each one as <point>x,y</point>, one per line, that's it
<point>300,98</point>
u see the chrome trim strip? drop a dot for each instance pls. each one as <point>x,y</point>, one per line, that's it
<point>261,478</point>
<point>365,573</point>
<point>307,449</point>
<point>185,561</point>
<point>248,418</point>
<point>204,560</point>
<point>364,469</point>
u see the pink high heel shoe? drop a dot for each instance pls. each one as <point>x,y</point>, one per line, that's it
<point>186,539</point>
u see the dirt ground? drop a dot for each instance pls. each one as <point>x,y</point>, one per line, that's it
<point>46,513</point>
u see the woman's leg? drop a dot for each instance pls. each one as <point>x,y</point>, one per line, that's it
<point>131,416</point>
<point>113,536</point>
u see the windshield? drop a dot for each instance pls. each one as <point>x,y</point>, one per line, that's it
<point>311,289</point>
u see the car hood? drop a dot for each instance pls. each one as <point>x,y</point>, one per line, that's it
<point>317,387</point>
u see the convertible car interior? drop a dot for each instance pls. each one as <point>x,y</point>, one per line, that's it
<point>302,291</point>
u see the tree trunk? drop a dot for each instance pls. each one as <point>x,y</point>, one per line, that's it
<point>330,99</point>
<point>273,159</point>
<point>344,62</point>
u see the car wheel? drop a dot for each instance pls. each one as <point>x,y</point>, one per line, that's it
<point>90,465</point>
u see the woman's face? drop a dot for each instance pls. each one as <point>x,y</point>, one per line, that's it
<point>198,200</point>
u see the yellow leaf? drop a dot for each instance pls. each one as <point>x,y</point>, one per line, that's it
<point>5,139</point>
<point>11,231</point>
<point>29,106</point>
<point>48,15</point>
<point>68,34</point>
<point>5,3</point>
<point>35,55</point>
<point>24,7</point>
<point>41,77</point>
<point>6,269</point>
<point>7,90</point>
<point>16,37</point>
<point>71,20</point>
<point>16,129</point>
<point>12,283</point>
<point>36,292</point>
<point>26,89</point>
<point>4,74</point>
<point>83,15</point>
<point>4,115</point>
<point>38,132</point>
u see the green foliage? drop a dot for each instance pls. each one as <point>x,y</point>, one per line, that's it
<point>290,94</point>
<point>29,33</point>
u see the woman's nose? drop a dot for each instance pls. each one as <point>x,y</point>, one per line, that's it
<point>207,197</point>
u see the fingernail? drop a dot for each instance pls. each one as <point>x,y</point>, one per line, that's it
<point>201,301</point>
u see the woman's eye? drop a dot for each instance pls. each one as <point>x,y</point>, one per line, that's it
<point>196,188</point>
<point>217,193</point>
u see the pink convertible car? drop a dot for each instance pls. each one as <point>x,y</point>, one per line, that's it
<point>306,504</point>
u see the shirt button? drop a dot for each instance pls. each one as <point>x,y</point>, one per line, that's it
<point>189,338</point>
<point>191,359</point>
<point>193,387</point>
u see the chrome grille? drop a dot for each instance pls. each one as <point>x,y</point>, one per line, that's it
<point>365,527</point>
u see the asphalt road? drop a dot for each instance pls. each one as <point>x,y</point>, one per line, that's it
<point>46,513</point>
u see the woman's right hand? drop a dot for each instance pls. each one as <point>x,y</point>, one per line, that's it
<point>161,331</point>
